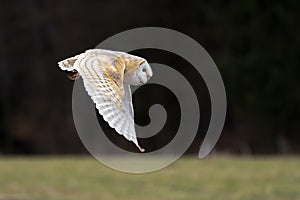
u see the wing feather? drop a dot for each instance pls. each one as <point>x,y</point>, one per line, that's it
<point>105,86</point>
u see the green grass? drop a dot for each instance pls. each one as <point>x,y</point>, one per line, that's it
<point>188,178</point>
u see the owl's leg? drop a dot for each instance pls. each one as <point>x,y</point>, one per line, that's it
<point>73,75</point>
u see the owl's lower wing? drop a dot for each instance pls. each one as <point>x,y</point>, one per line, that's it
<point>112,102</point>
<point>127,100</point>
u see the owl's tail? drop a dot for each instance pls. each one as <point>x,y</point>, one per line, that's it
<point>68,64</point>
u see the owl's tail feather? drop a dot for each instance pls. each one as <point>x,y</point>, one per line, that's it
<point>68,64</point>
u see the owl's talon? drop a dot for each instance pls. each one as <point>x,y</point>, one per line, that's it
<point>73,76</point>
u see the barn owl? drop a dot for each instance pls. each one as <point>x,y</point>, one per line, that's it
<point>107,76</point>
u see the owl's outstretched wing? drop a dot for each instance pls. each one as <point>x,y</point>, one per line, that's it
<point>113,99</point>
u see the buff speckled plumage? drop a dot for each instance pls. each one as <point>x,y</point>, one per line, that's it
<point>107,76</point>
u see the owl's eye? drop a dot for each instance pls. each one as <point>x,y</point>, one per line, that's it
<point>145,69</point>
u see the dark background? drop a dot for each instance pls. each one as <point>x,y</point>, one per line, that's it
<point>255,44</point>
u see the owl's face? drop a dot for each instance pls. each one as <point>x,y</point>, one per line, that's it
<point>144,72</point>
<point>140,74</point>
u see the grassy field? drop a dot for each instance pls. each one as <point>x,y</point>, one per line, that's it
<point>189,178</point>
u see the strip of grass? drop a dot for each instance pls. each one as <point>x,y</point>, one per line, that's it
<point>188,178</point>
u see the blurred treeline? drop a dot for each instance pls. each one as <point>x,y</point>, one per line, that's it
<point>255,44</point>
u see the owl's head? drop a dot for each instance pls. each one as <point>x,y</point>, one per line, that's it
<point>144,72</point>
<point>137,72</point>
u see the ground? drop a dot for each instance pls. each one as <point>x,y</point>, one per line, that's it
<point>68,178</point>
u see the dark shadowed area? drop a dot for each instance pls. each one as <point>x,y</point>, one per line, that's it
<point>255,44</point>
